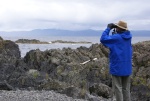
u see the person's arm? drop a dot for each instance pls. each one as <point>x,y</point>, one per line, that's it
<point>107,39</point>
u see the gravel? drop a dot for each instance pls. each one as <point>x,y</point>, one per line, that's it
<point>23,95</point>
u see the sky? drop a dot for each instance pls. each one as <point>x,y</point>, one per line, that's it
<point>25,15</point>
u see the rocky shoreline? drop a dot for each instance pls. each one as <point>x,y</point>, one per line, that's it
<point>30,41</point>
<point>63,71</point>
<point>35,41</point>
<point>71,42</point>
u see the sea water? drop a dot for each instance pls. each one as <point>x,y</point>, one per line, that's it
<point>24,48</point>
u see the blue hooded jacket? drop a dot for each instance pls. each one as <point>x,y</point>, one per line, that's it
<point>120,56</point>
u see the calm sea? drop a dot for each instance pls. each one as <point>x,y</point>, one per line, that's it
<point>24,48</point>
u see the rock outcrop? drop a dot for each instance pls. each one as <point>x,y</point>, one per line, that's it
<point>31,41</point>
<point>9,55</point>
<point>63,71</point>
<point>141,74</point>
<point>71,42</point>
<point>35,41</point>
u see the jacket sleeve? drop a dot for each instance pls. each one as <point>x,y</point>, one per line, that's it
<point>106,39</point>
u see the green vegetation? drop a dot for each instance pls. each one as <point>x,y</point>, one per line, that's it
<point>34,73</point>
<point>139,81</point>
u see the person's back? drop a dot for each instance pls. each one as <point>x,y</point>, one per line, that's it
<point>120,58</point>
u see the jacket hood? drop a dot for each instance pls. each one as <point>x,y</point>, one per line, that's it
<point>126,35</point>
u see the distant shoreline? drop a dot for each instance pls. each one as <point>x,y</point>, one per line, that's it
<point>35,41</point>
<point>70,42</point>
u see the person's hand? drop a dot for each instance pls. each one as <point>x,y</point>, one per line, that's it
<point>111,25</point>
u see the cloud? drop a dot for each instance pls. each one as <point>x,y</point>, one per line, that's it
<point>72,15</point>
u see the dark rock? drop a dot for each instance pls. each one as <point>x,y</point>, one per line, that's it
<point>5,86</point>
<point>9,67</point>
<point>141,72</point>
<point>64,65</point>
<point>9,50</point>
<point>101,90</point>
<point>140,93</point>
<point>1,39</point>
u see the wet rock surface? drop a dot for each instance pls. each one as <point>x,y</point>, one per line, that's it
<point>63,72</point>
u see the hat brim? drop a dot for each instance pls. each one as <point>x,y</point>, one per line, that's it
<point>121,27</point>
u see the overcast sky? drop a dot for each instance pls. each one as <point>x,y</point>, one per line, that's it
<point>73,14</point>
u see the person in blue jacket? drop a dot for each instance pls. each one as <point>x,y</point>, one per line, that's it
<point>120,58</point>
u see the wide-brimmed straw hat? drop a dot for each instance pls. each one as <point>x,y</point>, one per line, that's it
<point>122,25</point>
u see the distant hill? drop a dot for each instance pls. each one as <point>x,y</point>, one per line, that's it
<point>52,32</point>
<point>141,33</point>
<point>58,32</point>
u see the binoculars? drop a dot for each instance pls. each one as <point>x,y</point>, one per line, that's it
<point>112,25</point>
